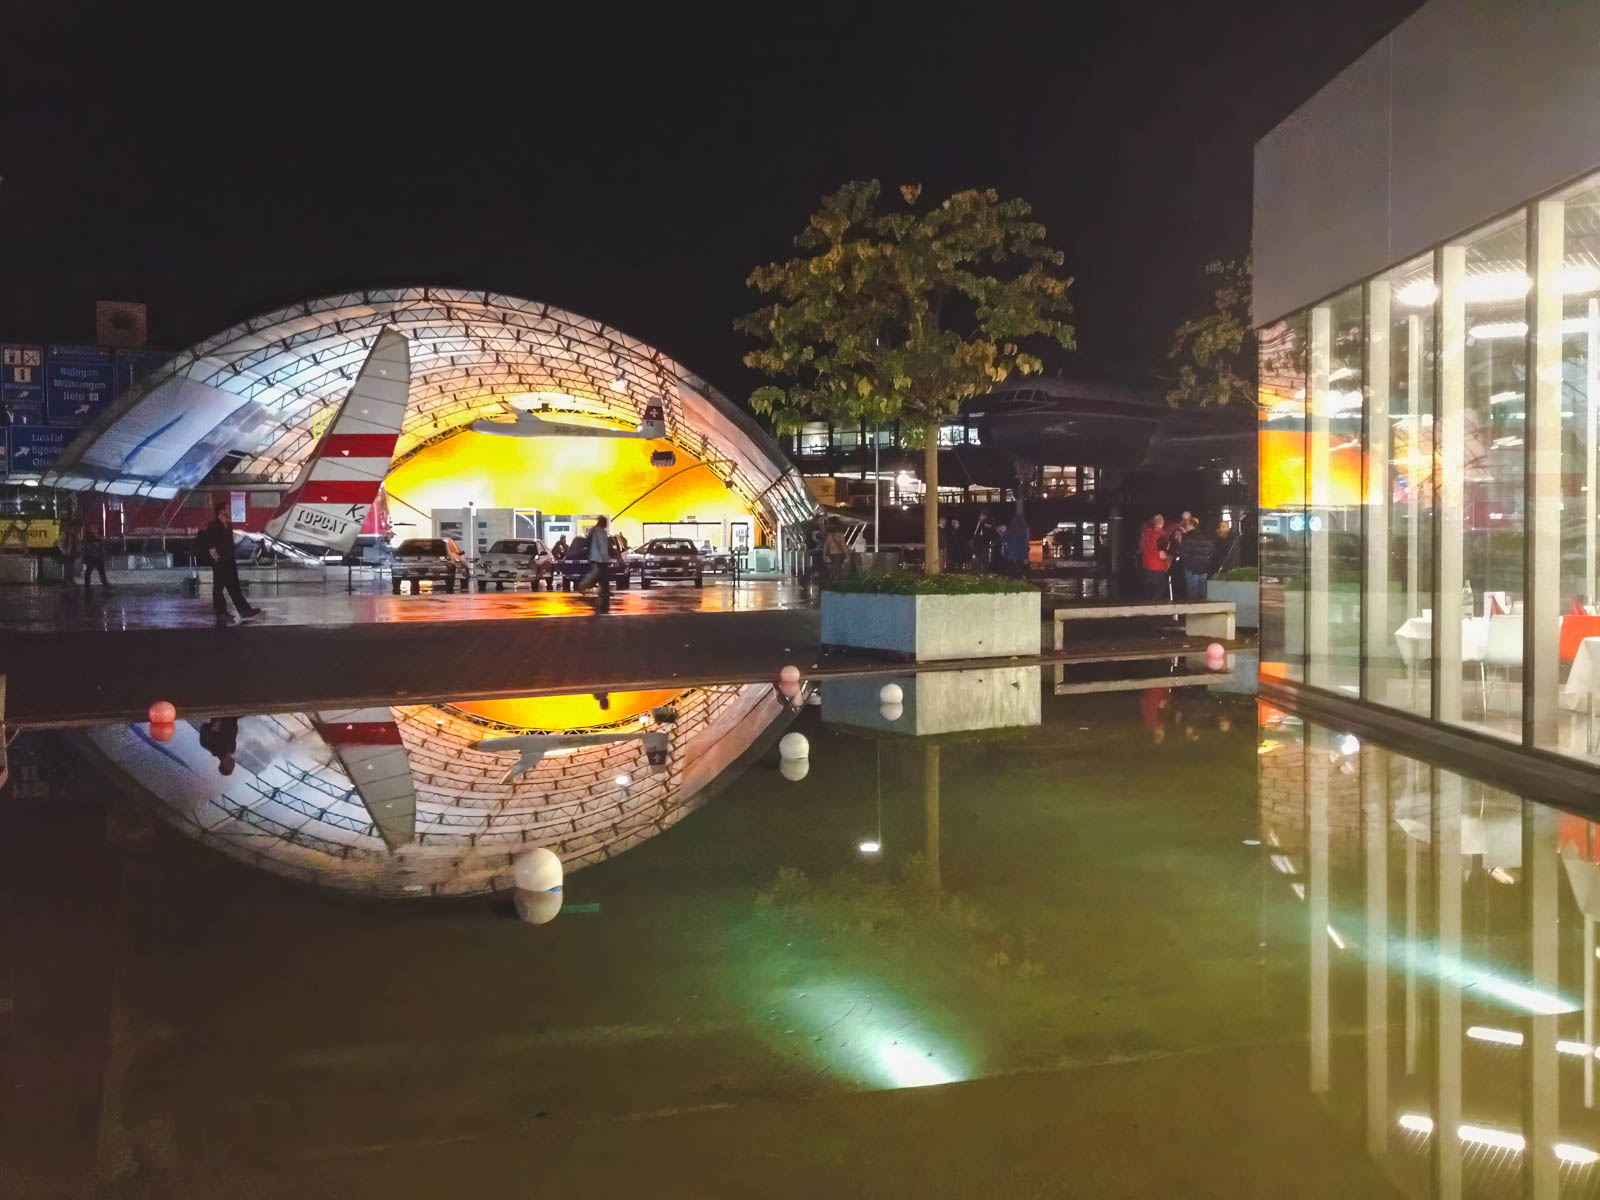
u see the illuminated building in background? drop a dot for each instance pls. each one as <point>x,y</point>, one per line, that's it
<point>1427,292</point>
<point>242,411</point>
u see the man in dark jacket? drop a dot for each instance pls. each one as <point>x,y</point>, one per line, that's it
<point>225,568</point>
<point>1193,555</point>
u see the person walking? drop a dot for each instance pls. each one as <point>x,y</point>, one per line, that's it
<point>225,569</point>
<point>1153,560</point>
<point>70,544</point>
<point>220,736</point>
<point>1194,554</point>
<point>94,559</point>
<point>559,550</point>
<point>599,571</point>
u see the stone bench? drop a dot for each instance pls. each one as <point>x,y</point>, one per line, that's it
<point>1201,618</point>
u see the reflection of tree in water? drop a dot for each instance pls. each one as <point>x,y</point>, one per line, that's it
<point>909,910</point>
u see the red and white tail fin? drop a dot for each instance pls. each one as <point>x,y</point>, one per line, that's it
<point>368,744</point>
<point>330,501</point>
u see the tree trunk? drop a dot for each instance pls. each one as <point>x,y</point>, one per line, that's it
<point>932,563</point>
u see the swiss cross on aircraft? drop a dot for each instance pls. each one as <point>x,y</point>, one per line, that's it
<point>652,426</point>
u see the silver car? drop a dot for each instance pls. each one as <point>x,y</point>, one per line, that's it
<point>436,559</point>
<point>516,560</point>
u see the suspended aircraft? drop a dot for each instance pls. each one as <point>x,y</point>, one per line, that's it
<point>527,424</point>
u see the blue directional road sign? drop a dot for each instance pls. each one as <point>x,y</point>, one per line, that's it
<point>78,383</point>
<point>22,379</point>
<point>35,448</point>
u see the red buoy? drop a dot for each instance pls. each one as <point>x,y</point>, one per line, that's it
<point>163,713</point>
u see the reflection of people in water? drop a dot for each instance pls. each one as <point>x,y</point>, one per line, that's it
<point>220,735</point>
<point>1152,702</point>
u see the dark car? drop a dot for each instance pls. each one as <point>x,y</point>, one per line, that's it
<point>436,559</point>
<point>664,560</point>
<point>575,565</point>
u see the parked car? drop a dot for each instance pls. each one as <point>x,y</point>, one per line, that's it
<point>714,561</point>
<point>575,565</point>
<point>514,561</point>
<point>664,560</point>
<point>436,559</point>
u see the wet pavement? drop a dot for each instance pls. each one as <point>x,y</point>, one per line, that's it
<point>297,602</point>
<point>972,936</point>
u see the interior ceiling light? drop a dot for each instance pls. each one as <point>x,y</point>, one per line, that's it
<point>1493,286</point>
<point>619,382</point>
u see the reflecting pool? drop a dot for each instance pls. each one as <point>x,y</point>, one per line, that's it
<point>1107,930</point>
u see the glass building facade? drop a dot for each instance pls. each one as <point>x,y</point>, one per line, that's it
<point>1429,482</point>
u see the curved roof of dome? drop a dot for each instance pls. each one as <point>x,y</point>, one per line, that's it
<point>265,387</point>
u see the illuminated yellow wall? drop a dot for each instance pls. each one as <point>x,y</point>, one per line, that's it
<point>581,476</point>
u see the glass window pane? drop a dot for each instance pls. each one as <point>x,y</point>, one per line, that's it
<point>1483,288</point>
<point>1399,551</point>
<point>1565,715</point>
<point>1333,520</point>
<point>1282,401</point>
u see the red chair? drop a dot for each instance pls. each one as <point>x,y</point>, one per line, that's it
<point>1574,629</point>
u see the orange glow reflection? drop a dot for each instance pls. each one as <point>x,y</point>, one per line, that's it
<point>551,713</point>
<point>1284,471</point>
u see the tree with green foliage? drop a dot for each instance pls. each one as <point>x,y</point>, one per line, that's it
<point>902,315</point>
<point>1216,352</point>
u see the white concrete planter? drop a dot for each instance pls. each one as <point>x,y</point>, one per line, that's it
<point>1246,599</point>
<point>936,702</point>
<point>928,628</point>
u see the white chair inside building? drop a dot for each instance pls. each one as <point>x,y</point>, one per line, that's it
<point>1502,653</point>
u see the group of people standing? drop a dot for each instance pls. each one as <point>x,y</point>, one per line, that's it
<point>997,546</point>
<point>1177,558</point>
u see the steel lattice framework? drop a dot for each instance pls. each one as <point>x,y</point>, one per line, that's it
<point>471,351</point>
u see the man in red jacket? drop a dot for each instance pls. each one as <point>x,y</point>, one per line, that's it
<point>1153,560</point>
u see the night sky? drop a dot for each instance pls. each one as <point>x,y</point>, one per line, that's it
<point>628,168</point>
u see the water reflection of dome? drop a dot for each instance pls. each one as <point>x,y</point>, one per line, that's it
<point>441,817</point>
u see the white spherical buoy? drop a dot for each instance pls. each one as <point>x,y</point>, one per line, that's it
<point>794,745</point>
<point>537,908</point>
<point>814,697</point>
<point>1216,656</point>
<point>891,712</point>
<point>537,870</point>
<point>790,674</point>
<point>890,693</point>
<point>794,769</point>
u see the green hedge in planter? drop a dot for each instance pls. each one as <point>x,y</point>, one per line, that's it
<point>914,583</point>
